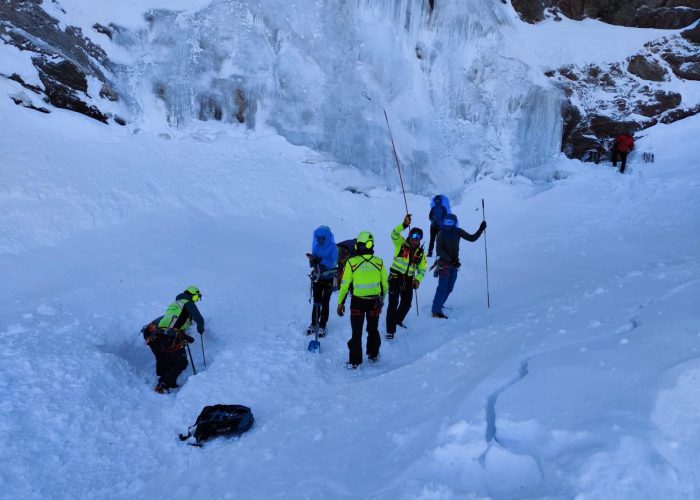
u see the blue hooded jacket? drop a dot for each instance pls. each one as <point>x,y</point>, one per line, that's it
<point>323,249</point>
<point>439,210</point>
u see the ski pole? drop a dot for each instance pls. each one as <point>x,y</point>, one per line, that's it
<point>204,359</point>
<point>488,295</point>
<point>194,370</point>
<point>396,157</point>
<point>417,307</point>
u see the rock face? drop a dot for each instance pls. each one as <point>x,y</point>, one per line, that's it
<point>646,69</point>
<point>663,14</point>
<point>63,58</point>
<point>604,101</point>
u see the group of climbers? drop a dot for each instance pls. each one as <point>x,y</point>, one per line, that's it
<point>349,267</point>
<point>357,272</point>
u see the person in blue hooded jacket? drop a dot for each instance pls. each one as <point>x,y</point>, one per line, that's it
<point>448,264</point>
<point>439,208</point>
<point>324,261</point>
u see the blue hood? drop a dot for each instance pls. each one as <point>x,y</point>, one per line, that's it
<point>445,202</point>
<point>327,252</point>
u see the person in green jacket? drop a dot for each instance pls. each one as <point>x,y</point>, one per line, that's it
<point>406,273</point>
<point>367,275</point>
<point>171,337</point>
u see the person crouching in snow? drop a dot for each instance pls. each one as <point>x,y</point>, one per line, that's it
<point>167,337</point>
<point>324,259</point>
<point>406,273</point>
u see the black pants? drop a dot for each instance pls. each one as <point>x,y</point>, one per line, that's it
<point>359,308</point>
<point>434,230</point>
<point>400,299</point>
<point>322,299</point>
<point>160,363</point>
<point>623,158</point>
<point>174,361</point>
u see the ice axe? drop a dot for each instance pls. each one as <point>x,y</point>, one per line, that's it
<point>315,345</point>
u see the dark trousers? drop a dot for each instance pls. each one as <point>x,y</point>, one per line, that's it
<point>322,299</point>
<point>446,283</point>
<point>400,299</point>
<point>174,361</point>
<point>434,230</point>
<point>359,308</point>
<point>623,158</point>
<point>160,363</point>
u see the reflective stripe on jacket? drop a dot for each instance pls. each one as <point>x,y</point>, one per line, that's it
<point>405,262</point>
<point>172,313</point>
<point>367,275</point>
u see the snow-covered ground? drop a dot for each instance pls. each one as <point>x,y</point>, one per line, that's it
<point>581,380</point>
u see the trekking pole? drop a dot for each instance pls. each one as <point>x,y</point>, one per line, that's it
<point>194,370</point>
<point>488,296</point>
<point>417,307</point>
<point>396,157</point>
<point>204,359</point>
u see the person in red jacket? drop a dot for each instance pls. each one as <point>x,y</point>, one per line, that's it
<point>624,143</point>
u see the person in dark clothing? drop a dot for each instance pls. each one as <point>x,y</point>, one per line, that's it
<point>624,143</point>
<point>324,259</point>
<point>447,249</point>
<point>171,336</point>
<point>405,275</point>
<point>439,208</point>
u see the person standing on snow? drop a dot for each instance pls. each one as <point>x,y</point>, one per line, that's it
<point>170,337</point>
<point>439,208</point>
<point>624,143</point>
<point>324,259</point>
<point>406,273</point>
<point>367,276</point>
<point>447,248</point>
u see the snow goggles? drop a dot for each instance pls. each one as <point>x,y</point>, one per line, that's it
<point>321,239</point>
<point>416,235</point>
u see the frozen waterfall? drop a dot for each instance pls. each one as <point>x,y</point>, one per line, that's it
<point>321,72</point>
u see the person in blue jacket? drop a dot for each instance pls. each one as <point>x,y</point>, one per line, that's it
<point>448,259</point>
<point>439,208</point>
<point>324,261</point>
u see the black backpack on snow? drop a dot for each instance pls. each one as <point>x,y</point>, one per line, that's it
<point>220,420</point>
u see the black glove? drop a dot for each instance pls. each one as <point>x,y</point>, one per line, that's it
<point>200,330</point>
<point>341,309</point>
<point>407,221</point>
<point>456,264</point>
<point>482,227</point>
<point>416,284</point>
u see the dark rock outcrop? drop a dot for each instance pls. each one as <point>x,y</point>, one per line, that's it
<point>646,69</point>
<point>64,58</point>
<point>663,14</point>
<point>692,35</point>
<point>604,101</point>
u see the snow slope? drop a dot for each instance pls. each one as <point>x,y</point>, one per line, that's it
<point>579,381</point>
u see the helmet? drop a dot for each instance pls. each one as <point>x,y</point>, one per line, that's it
<point>416,233</point>
<point>364,239</point>
<point>450,220</point>
<point>194,291</point>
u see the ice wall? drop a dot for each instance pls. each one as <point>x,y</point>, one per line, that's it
<point>322,73</point>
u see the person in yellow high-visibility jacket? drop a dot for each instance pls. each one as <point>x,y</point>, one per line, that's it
<point>406,273</point>
<point>367,275</point>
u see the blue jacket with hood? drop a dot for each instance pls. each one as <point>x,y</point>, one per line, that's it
<point>324,252</point>
<point>439,210</point>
